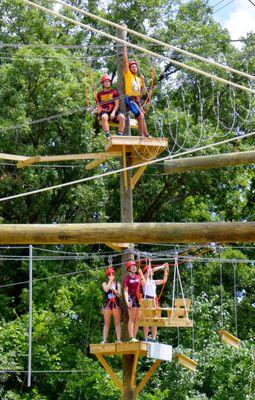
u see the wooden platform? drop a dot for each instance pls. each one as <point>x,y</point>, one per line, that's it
<point>111,349</point>
<point>139,148</point>
<point>135,350</point>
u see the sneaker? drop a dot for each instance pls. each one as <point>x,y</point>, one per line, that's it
<point>133,340</point>
<point>153,341</point>
<point>148,135</point>
<point>107,135</point>
<point>120,133</point>
<point>102,342</point>
<point>145,340</point>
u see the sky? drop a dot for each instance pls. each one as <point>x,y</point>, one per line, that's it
<point>238,16</point>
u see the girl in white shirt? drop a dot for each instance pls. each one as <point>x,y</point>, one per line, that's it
<point>149,292</point>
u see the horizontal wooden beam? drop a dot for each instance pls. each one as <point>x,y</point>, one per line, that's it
<point>223,232</point>
<point>209,162</point>
<point>63,157</point>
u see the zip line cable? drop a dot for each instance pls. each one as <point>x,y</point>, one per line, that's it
<point>101,33</point>
<point>252,2</point>
<point>158,42</point>
<point>221,8</point>
<point>169,157</point>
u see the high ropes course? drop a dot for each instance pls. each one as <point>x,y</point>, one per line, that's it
<point>136,153</point>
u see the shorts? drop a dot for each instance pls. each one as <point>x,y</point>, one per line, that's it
<point>109,113</point>
<point>134,105</point>
<point>134,301</point>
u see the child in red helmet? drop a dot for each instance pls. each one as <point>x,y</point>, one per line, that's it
<point>134,88</point>
<point>132,285</point>
<point>108,104</point>
<point>112,292</point>
<point>149,292</point>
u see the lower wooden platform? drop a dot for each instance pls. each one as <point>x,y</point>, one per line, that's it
<point>112,349</point>
<point>136,349</point>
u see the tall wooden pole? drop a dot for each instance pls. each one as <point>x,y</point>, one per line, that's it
<point>126,200</point>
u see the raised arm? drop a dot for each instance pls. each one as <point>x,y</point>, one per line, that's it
<point>166,271</point>
<point>125,59</point>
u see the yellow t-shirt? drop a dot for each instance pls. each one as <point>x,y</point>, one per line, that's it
<point>133,84</point>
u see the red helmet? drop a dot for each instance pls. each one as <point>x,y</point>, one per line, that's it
<point>109,271</point>
<point>129,264</point>
<point>105,78</point>
<point>145,269</point>
<point>132,62</point>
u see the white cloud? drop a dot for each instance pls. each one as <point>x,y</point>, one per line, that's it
<point>241,20</point>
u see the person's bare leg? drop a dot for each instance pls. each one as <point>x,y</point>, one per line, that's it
<point>154,332</point>
<point>136,321</point>
<point>121,121</point>
<point>107,319</point>
<point>145,332</point>
<point>142,127</point>
<point>105,123</point>
<point>116,315</point>
<point>131,318</point>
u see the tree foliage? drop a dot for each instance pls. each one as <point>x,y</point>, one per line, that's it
<point>43,111</point>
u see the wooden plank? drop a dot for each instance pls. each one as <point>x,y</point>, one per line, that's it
<point>12,157</point>
<point>118,246</point>
<point>133,124</point>
<point>28,161</point>
<point>95,163</point>
<point>110,372</point>
<point>74,157</point>
<point>164,322</point>
<point>133,373</point>
<point>137,175</point>
<point>223,232</point>
<point>115,143</point>
<point>147,376</point>
<point>229,338</point>
<point>182,303</point>
<point>119,348</point>
<point>203,163</point>
<point>124,163</point>
<point>186,362</point>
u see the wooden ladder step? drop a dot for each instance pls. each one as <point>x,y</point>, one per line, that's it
<point>229,338</point>
<point>186,362</point>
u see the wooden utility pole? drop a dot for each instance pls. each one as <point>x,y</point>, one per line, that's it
<point>203,163</point>
<point>126,202</point>
<point>139,232</point>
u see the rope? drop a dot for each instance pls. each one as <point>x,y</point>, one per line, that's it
<point>150,39</point>
<point>124,169</point>
<point>182,65</point>
<point>252,375</point>
<point>235,299</point>
<point>192,308</point>
<point>221,295</point>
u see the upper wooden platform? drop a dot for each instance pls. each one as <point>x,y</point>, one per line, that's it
<point>139,148</point>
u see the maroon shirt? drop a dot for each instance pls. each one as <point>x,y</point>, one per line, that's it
<point>132,283</point>
<point>107,97</point>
